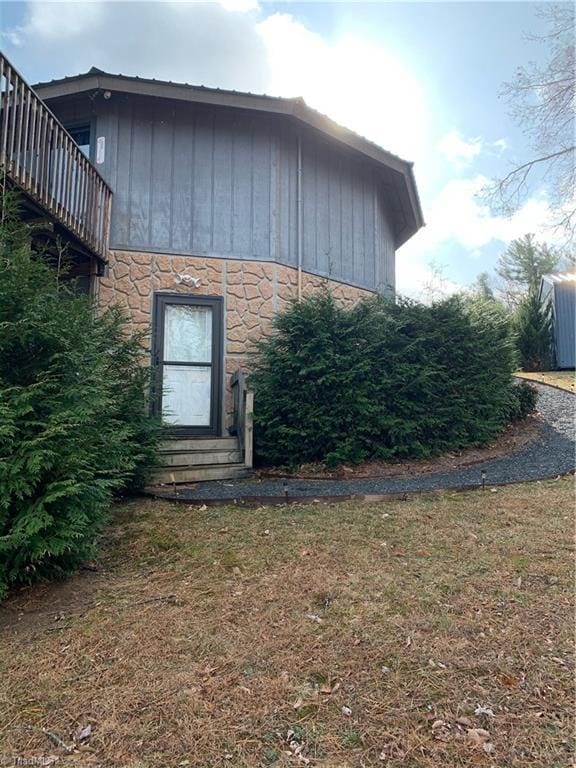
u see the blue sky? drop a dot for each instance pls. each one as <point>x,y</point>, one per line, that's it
<point>420,78</point>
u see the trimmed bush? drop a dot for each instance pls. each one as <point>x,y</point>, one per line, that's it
<point>384,380</point>
<point>525,399</point>
<point>73,421</point>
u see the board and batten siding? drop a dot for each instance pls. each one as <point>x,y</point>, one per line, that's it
<point>201,180</point>
<point>565,324</point>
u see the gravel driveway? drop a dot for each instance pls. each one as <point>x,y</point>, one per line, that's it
<point>550,455</point>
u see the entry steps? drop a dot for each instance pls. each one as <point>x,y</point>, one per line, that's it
<point>193,460</point>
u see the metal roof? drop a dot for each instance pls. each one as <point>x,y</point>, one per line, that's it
<point>98,80</point>
<point>560,277</point>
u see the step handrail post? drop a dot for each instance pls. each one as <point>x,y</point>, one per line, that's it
<point>249,428</point>
<point>242,419</point>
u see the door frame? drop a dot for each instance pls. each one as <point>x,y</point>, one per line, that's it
<point>161,299</point>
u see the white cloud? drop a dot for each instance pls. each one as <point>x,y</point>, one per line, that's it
<point>457,217</point>
<point>423,280</point>
<point>457,150</point>
<point>200,43</point>
<point>461,152</point>
<point>61,22</point>
<point>357,83</point>
<point>458,214</point>
<point>500,145</point>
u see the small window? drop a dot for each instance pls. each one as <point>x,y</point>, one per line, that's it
<point>81,135</point>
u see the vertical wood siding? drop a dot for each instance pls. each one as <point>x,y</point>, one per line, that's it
<point>565,324</point>
<point>191,179</point>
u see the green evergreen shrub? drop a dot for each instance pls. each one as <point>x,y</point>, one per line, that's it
<point>382,380</point>
<point>533,325</point>
<point>73,422</point>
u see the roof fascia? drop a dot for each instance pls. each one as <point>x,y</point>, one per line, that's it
<point>135,87</point>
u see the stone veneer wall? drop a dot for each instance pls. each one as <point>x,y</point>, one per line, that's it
<point>253,291</point>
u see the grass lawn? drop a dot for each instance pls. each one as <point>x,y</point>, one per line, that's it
<point>562,379</point>
<point>343,635</point>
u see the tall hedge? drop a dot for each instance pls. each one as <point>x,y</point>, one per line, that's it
<point>74,427</point>
<point>384,379</point>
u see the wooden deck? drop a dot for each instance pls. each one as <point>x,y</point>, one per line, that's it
<point>39,156</point>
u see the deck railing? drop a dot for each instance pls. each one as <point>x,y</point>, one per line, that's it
<point>42,159</point>
<point>243,399</point>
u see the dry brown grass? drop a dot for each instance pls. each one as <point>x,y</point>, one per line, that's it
<point>562,379</point>
<point>428,608</point>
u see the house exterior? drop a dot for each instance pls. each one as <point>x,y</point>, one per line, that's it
<point>558,292</point>
<point>224,206</point>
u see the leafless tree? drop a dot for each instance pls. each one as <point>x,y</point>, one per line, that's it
<point>541,101</point>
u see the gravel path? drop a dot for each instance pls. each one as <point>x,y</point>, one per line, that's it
<point>551,455</point>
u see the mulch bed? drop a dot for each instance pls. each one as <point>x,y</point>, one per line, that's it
<point>515,437</point>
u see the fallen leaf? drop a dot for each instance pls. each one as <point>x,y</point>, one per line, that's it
<point>510,681</point>
<point>464,721</point>
<point>477,737</point>
<point>441,730</point>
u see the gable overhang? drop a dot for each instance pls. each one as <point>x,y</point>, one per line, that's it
<point>397,174</point>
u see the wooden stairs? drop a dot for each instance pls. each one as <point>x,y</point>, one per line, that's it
<point>197,459</point>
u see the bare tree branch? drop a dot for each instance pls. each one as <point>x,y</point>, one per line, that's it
<point>541,99</point>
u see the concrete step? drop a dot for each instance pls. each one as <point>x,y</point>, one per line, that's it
<point>198,458</point>
<point>170,475</point>
<point>199,444</point>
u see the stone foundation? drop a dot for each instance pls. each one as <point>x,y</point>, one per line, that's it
<point>253,292</point>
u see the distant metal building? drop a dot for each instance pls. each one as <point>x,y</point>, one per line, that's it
<point>559,292</point>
